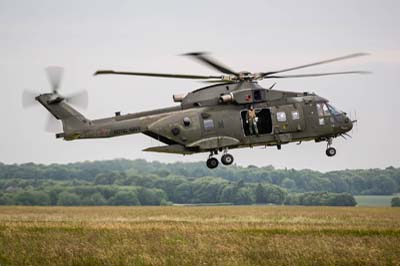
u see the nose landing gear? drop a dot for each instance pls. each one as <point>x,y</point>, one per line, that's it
<point>330,151</point>
<point>226,159</point>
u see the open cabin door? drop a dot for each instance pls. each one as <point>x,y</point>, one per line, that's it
<point>264,121</point>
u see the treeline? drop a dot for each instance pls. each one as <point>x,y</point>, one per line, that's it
<point>202,191</point>
<point>85,196</point>
<point>395,202</point>
<point>137,182</point>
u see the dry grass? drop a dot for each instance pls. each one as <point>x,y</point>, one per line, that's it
<point>259,235</point>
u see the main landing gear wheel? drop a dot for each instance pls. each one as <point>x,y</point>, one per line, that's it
<point>227,159</point>
<point>212,163</point>
<point>330,151</point>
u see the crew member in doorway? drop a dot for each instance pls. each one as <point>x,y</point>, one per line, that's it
<point>251,120</point>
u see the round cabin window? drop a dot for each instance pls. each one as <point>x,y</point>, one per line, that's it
<point>186,121</point>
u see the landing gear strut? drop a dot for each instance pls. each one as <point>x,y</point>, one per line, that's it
<point>330,151</point>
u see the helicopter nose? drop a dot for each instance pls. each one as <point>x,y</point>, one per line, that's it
<point>347,124</point>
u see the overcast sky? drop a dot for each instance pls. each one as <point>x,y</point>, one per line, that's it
<point>83,36</point>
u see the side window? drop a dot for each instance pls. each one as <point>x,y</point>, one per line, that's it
<point>281,116</point>
<point>295,115</point>
<point>322,121</point>
<point>208,124</point>
<point>257,95</point>
<point>186,121</point>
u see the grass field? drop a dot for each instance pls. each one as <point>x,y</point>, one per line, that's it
<point>375,200</point>
<point>224,235</point>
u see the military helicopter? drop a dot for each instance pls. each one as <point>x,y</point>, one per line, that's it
<point>234,111</point>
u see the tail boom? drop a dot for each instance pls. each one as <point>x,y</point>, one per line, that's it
<point>77,126</point>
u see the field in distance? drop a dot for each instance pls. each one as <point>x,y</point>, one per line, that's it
<point>375,200</point>
<point>221,235</point>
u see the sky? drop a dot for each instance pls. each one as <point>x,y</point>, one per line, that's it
<point>84,36</point>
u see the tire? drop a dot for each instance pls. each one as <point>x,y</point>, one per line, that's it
<point>212,163</point>
<point>227,159</point>
<point>330,152</point>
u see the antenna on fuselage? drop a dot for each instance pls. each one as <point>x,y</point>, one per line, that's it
<point>273,85</point>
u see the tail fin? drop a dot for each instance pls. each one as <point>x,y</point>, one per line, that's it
<point>72,120</point>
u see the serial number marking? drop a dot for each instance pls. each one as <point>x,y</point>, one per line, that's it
<point>125,131</point>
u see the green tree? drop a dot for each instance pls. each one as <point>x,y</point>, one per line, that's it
<point>395,202</point>
<point>243,196</point>
<point>107,178</point>
<point>326,199</point>
<point>153,196</point>
<point>228,193</point>
<point>261,194</point>
<point>124,198</point>
<point>208,189</point>
<point>68,199</point>
<point>342,199</point>
<point>6,199</point>
<point>53,192</point>
<point>288,183</point>
<point>275,194</point>
<point>32,198</point>
<point>292,199</point>
<point>183,193</point>
<point>169,184</point>
<point>95,199</point>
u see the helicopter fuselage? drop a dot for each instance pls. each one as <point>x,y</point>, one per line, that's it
<point>234,113</point>
<point>213,119</point>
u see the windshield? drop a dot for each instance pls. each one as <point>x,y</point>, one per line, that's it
<point>333,110</point>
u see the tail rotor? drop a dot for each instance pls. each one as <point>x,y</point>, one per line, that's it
<point>54,75</point>
<point>28,99</point>
<point>79,99</point>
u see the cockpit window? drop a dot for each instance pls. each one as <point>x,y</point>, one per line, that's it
<point>333,110</point>
<point>319,109</point>
<point>323,109</point>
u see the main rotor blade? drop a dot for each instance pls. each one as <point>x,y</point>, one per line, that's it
<point>316,75</point>
<point>79,99</point>
<point>217,81</point>
<point>160,75</point>
<point>316,63</point>
<point>54,75</point>
<point>211,62</point>
<point>28,98</point>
